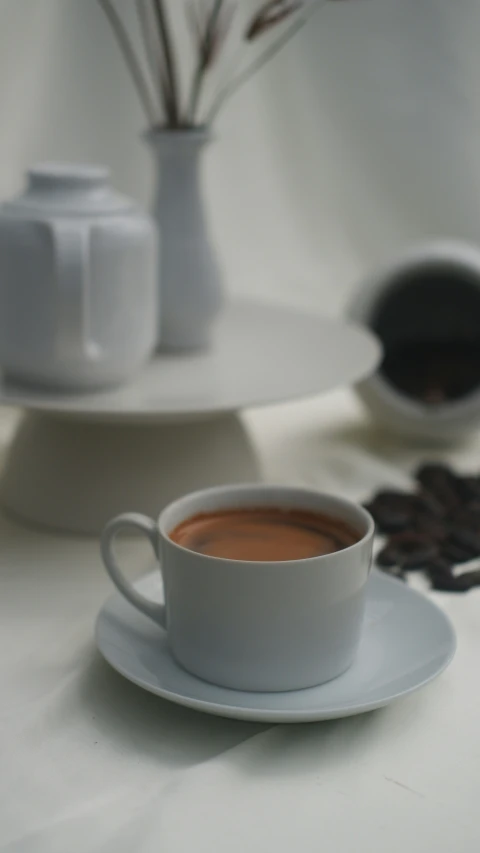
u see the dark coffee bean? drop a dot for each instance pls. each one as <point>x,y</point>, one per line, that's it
<point>449,584</point>
<point>430,474</point>
<point>387,521</point>
<point>467,539</point>
<point>427,503</point>
<point>469,579</point>
<point>470,487</point>
<point>391,511</point>
<point>438,568</point>
<point>467,517</point>
<point>442,483</point>
<point>454,553</point>
<point>448,496</point>
<point>429,471</point>
<point>455,583</point>
<point>442,578</point>
<point>395,500</point>
<point>387,557</point>
<point>413,550</point>
<point>431,526</point>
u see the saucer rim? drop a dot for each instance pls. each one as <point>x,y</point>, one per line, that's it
<point>347,709</point>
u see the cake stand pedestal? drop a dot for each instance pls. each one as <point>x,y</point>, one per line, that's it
<point>75,476</point>
<point>76,461</point>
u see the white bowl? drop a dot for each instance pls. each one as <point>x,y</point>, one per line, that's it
<point>455,315</point>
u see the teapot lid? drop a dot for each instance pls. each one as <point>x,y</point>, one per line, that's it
<point>70,188</point>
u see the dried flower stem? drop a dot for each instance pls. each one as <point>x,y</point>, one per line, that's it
<point>147,35</point>
<point>230,88</point>
<point>154,56</point>
<point>203,59</point>
<point>165,36</point>
<point>130,57</point>
<point>244,76</point>
<point>270,15</point>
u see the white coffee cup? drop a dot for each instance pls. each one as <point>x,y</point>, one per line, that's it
<point>257,626</point>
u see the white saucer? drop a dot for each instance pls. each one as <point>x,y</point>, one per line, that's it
<point>262,354</point>
<point>407,642</point>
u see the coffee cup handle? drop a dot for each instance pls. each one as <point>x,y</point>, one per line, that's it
<point>146,525</point>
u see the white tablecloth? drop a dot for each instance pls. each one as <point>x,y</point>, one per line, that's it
<point>366,137</point>
<point>90,763</point>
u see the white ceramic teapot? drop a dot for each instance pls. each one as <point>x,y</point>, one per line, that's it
<point>77,281</point>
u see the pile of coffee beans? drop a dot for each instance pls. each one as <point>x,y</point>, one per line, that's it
<point>435,529</point>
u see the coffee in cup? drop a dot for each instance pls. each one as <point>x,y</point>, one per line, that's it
<point>264,585</point>
<point>264,534</point>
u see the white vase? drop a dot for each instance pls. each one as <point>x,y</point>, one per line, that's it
<point>78,301</point>
<point>190,281</point>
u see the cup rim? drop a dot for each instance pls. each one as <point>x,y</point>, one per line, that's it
<point>250,487</point>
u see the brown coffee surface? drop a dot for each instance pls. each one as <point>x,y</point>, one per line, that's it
<point>264,534</point>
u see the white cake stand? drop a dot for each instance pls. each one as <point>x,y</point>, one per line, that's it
<point>78,460</point>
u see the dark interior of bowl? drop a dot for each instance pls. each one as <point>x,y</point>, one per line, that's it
<point>429,322</point>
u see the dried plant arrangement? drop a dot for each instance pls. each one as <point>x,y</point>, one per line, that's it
<point>218,30</point>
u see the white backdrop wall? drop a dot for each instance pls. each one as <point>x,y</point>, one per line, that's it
<point>362,137</point>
